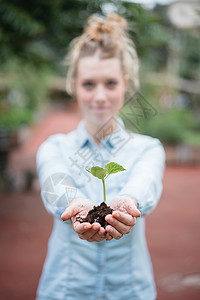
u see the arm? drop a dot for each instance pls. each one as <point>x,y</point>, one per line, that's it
<point>52,172</point>
<point>58,188</point>
<point>145,180</point>
<point>142,191</point>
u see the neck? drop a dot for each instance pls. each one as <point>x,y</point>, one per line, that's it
<point>100,131</point>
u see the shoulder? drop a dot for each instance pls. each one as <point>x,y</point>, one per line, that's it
<point>58,140</point>
<point>143,140</point>
<point>143,149</point>
<point>140,143</point>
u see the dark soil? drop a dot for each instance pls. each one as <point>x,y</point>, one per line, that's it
<point>97,214</point>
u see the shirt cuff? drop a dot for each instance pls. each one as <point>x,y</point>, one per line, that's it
<point>147,196</point>
<point>57,203</point>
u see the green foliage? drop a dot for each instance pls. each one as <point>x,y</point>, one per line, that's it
<point>15,118</point>
<point>189,67</point>
<point>98,172</point>
<point>113,167</point>
<point>40,31</point>
<point>41,34</point>
<point>24,89</point>
<point>173,126</point>
<point>103,173</point>
<point>34,36</point>
<point>146,28</point>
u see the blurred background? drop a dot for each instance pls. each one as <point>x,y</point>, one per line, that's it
<point>34,37</point>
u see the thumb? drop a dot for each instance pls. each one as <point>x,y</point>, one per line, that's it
<point>134,211</point>
<point>137,212</point>
<point>69,213</point>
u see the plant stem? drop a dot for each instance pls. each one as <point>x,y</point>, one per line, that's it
<point>104,191</point>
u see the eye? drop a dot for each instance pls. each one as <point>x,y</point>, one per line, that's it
<point>88,85</point>
<point>111,83</point>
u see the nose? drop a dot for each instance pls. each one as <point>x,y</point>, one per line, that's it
<point>100,94</point>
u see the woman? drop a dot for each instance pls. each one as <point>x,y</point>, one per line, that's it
<point>86,261</point>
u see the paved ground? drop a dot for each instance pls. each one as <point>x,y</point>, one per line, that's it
<point>172,232</point>
<point>173,235</point>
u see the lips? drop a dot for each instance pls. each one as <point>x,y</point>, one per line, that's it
<point>100,108</point>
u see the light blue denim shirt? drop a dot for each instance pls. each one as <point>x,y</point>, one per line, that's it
<point>75,269</point>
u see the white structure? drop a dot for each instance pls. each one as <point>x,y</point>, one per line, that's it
<point>185,14</point>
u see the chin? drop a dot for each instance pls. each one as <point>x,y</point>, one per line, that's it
<point>100,120</point>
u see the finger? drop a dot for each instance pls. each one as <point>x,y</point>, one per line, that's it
<point>120,227</point>
<point>108,237</point>
<point>88,233</point>
<point>98,236</point>
<point>113,232</point>
<point>102,232</point>
<point>82,228</point>
<point>70,212</point>
<point>124,218</point>
<point>133,211</point>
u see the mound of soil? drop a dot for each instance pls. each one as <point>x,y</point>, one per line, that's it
<point>97,214</point>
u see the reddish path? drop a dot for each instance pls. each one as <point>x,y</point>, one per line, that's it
<point>172,231</point>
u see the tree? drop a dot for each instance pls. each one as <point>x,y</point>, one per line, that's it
<point>40,31</point>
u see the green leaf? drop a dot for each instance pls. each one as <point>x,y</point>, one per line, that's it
<point>98,172</point>
<point>88,170</point>
<point>113,167</point>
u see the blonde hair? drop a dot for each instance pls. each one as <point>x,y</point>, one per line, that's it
<point>109,36</point>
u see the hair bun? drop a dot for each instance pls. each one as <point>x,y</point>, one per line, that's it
<point>113,25</point>
<point>121,22</point>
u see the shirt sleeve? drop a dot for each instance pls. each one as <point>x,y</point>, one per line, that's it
<point>145,181</point>
<point>58,188</point>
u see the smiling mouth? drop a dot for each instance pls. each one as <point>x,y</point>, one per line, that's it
<point>100,108</point>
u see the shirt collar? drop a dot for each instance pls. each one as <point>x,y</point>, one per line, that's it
<point>83,137</point>
<point>110,139</point>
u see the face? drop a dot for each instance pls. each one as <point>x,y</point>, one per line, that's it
<point>99,88</point>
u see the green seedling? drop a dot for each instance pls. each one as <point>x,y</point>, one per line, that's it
<point>103,173</point>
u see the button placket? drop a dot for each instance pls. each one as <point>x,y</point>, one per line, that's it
<point>101,267</point>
